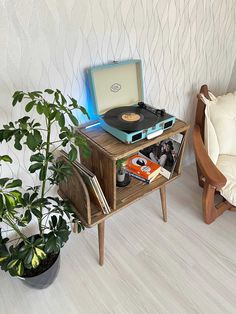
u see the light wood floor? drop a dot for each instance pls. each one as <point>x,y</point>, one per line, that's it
<point>183,266</point>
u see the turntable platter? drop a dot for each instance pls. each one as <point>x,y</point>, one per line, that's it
<point>130,118</point>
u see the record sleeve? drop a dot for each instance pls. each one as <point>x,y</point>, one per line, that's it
<point>95,192</point>
<point>165,153</point>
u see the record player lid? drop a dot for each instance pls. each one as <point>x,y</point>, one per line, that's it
<point>116,84</point>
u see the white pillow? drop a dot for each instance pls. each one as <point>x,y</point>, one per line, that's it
<point>220,125</point>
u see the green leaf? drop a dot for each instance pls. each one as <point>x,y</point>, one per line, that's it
<point>29,256</point>
<point>6,134</point>
<point>15,100</point>
<point>63,235</point>
<point>53,115</point>
<point>3,181</point>
<point>35,261</point>
<point>65,142</point>
<point>1,204</point>
<point>37,157</point>
<point>10,201</point>
<point>26,198</point>
<point>36,166</point>
<point>33,196</point>
<point>16,194</point>
<point>36,212</point>
<point>12,263</point>
<point>49,91</point>
<point>20,97</point>
<point>52,245</point>
<point>6,158</point>
<point>39,108</point>
<point>84,111</point>
<point>54,221</point>
<point>72,156</point>
<point>62,120</point>
<point>73,119</point>
<point>80,226</point>
<point>62,135</point>
<point>63,100</point>
<point>46,110</point>
<point>37,137</point>
<point>28,216</point>
<point>3,258</point>
<point>74,102</point>
<point>56,94</point>
<point>20,269</point>
<point>17,144</point>
<point>29,106</point>
<point>37,93</point>
<point>16,94</point>
<point>41,254</point>
<point>14,184</point>
<point>30,141</point>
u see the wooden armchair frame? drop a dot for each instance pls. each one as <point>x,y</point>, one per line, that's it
<point>209,177</point>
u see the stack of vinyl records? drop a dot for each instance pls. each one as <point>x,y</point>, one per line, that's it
<point>95,192</point>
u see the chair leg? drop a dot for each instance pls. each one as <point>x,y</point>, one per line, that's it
<point>210,210</point>
<point>163,202</point>
<point>101,229</point>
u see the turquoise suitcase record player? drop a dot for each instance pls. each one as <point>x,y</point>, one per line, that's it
<point>117,95</point>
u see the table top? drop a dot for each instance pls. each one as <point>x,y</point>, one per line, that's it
<point>114,148</point>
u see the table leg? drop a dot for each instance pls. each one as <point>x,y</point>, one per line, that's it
<point>163,202</point>
<point>101,228</point>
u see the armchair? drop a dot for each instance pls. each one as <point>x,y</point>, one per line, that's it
<point>210,178</point>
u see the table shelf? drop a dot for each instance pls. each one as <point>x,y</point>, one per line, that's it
<point>137,189</point>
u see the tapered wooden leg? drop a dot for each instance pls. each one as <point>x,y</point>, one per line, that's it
<point>163,202</point>
<point>101,229</point>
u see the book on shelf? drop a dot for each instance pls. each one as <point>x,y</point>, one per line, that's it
<point>95,192</point>
<point>142,167</point>
<point>140,178</point>
<point>166,154</point>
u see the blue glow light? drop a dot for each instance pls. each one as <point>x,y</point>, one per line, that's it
<point>89,102</point>
<point>92,125</point>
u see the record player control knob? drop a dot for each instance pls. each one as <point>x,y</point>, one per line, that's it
<point>163,112</point>
<point>141,104</point>
<point>160,112</point>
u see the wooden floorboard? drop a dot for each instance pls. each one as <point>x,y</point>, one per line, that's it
<point>182,266</point>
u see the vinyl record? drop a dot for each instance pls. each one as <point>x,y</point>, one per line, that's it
<point>130,118</point>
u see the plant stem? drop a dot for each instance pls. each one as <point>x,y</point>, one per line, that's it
<point>56,148</point>
<point>46,169</point>
<point>16,229</point>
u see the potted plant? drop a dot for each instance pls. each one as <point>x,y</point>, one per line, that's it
<point>122,176</point>
<point>35,257</point>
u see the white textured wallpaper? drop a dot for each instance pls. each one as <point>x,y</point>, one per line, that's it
<point>232,82</point>
<point>182,44</point>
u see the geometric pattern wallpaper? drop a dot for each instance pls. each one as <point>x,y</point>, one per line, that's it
<point>182,44</point>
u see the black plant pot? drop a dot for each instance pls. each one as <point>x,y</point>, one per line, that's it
<point>125,181</point>
<point>46,278</point>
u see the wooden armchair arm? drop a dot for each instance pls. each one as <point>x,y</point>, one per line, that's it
<point>211,173</point>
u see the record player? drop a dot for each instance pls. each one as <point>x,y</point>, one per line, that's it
<point>117,94</point>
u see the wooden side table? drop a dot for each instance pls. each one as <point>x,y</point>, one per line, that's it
<point>105,151</point>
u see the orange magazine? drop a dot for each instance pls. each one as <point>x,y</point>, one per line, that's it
<point>142,166</point>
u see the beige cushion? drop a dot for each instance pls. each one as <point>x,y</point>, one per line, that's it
<point>227,165</point>
<point>220,125</point>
